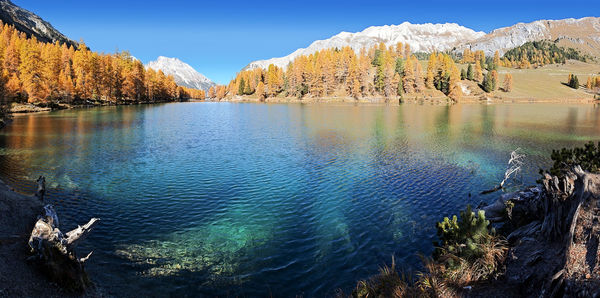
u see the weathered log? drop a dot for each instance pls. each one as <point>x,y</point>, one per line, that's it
<point>55,251</point>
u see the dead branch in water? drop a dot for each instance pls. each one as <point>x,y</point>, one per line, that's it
<point>514,167</point>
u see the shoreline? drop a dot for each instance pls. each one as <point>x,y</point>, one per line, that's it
<point>31,108</point>
<point>411,99</point>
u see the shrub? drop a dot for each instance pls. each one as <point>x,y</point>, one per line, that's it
<point>588,157</point>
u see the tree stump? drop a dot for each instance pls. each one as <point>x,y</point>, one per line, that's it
<point>55,251</point>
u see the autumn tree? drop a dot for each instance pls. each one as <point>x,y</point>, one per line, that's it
<point>478,75</point>
<point>409,77</point>
<point>455,91</point>
<point>419,83</point>
<point>260,91</point>
<point>508,82</point>
<point>31,71</point>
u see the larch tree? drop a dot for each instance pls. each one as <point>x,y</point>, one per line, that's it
<point>419,83</point>
<point>431,66</point>
<point>407,52</point>
<point>508,82</point>
<point>408,81</point>
<point>211,92</point>
<point>260,91</point>
<point>455,91</point>
<point>478,75</point>
<point>31,71</point>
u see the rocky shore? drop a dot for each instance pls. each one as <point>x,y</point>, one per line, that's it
<point>542,241</point>
<point>553,233</point>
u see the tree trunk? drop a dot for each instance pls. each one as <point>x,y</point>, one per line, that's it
<point>55,251</point>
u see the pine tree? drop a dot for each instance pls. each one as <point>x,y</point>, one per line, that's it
<point>241,87</point>
<point>470,75</point>
<point>488,84</point>
<point>463,74</point>
<point>573,81</point>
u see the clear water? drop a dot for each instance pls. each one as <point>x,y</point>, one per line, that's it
<point>259,199</point>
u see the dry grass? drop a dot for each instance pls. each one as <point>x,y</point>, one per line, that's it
<point>437,279</point>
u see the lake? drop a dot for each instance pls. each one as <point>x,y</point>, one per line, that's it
<point>273,199</point>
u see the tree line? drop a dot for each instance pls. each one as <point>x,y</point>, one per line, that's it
<point>35,71</point>
<point>380,71</point>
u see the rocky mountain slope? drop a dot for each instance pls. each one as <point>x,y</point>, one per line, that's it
<point>582,34</point>
<point>30,23</point>
<point>183,73</point>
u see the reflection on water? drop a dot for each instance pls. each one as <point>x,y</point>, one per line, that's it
<point>259,199</point>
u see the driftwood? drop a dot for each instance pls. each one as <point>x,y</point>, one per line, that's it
<point>55,251</point>
<point>514,167</point>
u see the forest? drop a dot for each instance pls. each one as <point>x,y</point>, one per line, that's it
<point>379,71</point>
<point>33,71</point>
<point>539,53</point>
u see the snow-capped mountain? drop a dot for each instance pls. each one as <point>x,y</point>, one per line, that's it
<point>30,23</point>
<point>582,34</point>
<point>420,37</point>
<point>184,74</point>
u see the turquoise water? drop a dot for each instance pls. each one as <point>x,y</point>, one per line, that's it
<point>267,199</point>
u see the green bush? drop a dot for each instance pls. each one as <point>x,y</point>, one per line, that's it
<point>588,157</point>
<point>462,239</point>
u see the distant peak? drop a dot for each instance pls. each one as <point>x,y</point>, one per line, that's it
<point>183,73</point>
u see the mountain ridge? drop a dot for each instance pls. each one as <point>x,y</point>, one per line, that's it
<point>582,34</point>
<point>31,24</point>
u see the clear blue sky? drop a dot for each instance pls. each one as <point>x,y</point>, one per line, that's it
<point>218,38</point>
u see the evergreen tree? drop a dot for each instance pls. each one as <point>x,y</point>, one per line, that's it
<point>241,87</point>
<point>488,82</point>
<point>573,81</point>
<point>470,72</point>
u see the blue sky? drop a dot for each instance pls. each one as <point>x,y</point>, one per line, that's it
<point>218,38</point>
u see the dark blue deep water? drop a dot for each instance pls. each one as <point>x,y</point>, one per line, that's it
<point>265,199</point>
